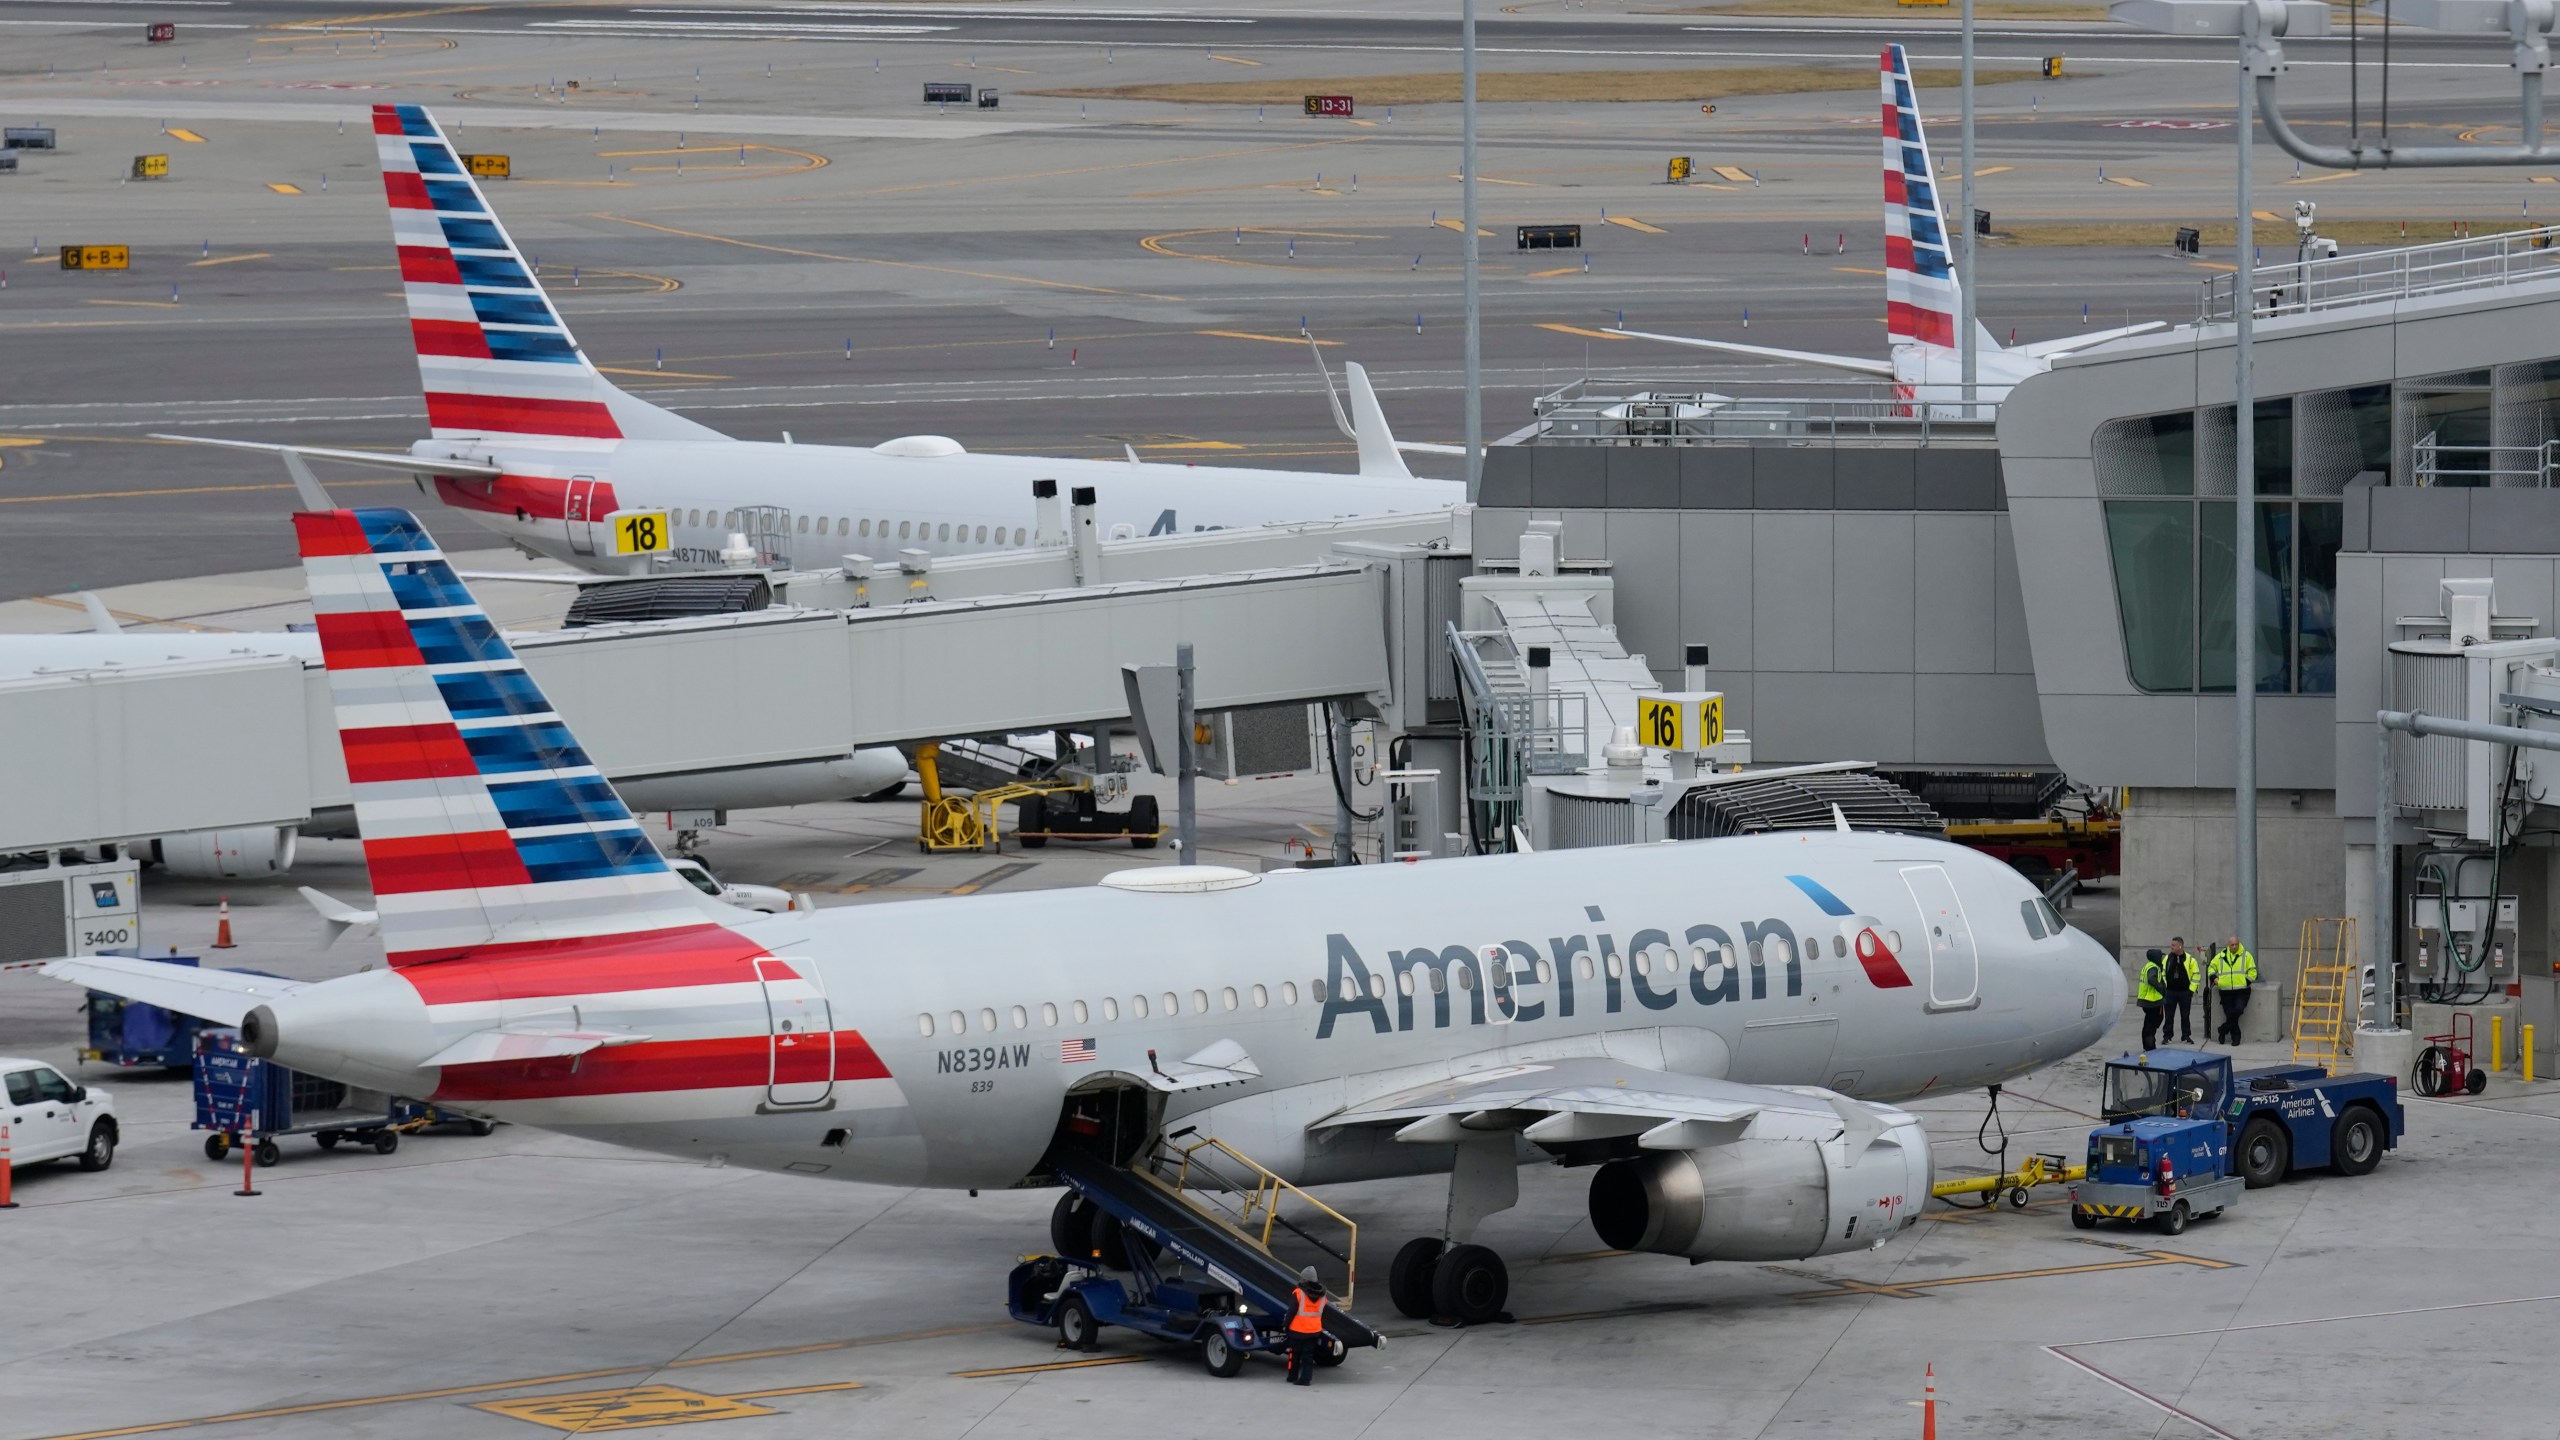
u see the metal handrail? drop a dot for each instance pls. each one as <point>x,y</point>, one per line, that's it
<point>1263,1196</point>
<point>2427,467</point>
<point>2299,287</point>
<point>1577,412</point>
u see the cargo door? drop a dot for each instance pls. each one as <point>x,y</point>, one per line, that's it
<point>801,1035</point>
<point>580,514</point>
<point>1955,967</point>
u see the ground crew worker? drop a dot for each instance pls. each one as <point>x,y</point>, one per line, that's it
<point>2147,993</point>
<point>1306,1327</point>
<point>2232,970</point>
<point>2178,1009</point>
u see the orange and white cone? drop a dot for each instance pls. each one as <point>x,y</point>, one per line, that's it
<point>222,927</point>
<point>1929,1404</point>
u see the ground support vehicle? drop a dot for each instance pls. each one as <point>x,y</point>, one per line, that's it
<point>50,1116</point>
<point>243,1100</point>
<point>1192,1278</point>
<point>132,1034</point>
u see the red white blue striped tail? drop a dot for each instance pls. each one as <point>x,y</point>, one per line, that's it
<point>1919,275</point>
<point>496,360</point>
<point>483,821</point>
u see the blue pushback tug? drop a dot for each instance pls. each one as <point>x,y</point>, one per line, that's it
<point>2184,1134</point>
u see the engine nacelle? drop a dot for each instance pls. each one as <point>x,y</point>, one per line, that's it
<point>1766,1199</point>
<point>227,854</point>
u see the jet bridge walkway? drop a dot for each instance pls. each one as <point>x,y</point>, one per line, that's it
<point>1197,1235</point>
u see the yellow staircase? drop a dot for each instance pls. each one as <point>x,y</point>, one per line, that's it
<point>2323,981</point>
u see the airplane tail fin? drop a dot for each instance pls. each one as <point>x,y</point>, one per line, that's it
<point>495,358</point>
<point>483,821</point>
<point>1921,299</point>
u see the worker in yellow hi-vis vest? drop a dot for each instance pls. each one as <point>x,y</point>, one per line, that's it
<point>2231,971</point>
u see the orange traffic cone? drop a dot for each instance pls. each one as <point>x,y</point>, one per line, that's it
<point>222,928</point>
<point>1929,1405</point>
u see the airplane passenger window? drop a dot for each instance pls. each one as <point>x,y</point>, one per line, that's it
<point>946,533</point>
<point>1021,1018</point>
<point>693,518</point>
<point>1893,941</point>
<point>2035,922</point>
<point>1617,968</point>
<point>1173,1004</point>
<point>902,528</point>
<point>924,1023</point>
<point>865,529</point>
<point>1048,1012</point>
<point>959,1023</point>
<point>1465,975</point>
<point>1404,982</point>
<point>804,524</point>
<point>987,1018</point>
<point>982,534</point>
<point>1546,973</point>
<point>1110,1007</point>
<point>1755,952</point>
<point>844,526</point>
<point>1732,957</point>
<point>1315,991</point>
<point>1261,998</point>
<point>1582,966</point>
<point>1288,992</point>
<point>1017,534</point>
<point>1439,982</point>
<point>1081,1013</point>
<point>1781,951</point>
<point>1137,1007</point>
<point>1698,959</point>
<point>1839,947</point>
<point>1227,997</point>
<point>1644,961</point>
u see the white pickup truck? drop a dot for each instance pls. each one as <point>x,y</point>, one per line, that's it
<point>52,1117</point>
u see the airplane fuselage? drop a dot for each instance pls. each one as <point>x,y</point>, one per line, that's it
<point>933,1043</point>
<point>836,500</point>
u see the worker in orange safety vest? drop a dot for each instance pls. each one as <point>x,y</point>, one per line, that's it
<point>1306,1327</point>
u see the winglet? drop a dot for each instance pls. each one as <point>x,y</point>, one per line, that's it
<point>306,484</point>
<point>1839,821</point>
<point>1379,458</point>
<point>99,618</point>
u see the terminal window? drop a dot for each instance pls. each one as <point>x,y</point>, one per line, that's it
<point>2167,482</point>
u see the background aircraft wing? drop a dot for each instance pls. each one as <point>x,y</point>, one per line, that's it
<point>221,996</point>
<point>2073,344</point>
<point>379,460</point>
<point>1851,363</point>
<point>1559,1101</point>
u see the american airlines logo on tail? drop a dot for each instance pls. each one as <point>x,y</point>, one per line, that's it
<point>1919,287</point>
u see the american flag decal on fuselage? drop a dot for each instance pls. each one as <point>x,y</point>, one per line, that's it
<point>1075,1052</point>
<point>1919,286</point>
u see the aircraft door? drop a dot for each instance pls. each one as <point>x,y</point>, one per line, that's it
<point>801,1035</point>
<point>579,512</point>
<point>1955,967</point>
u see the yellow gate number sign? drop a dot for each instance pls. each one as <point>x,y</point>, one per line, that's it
<point>150,167</point>
<point>96,257</point>
<point>1679,169</point>
<point>1692,721</point>
<point>489,167</point>
<point>640,532</point>
<point>2053,67</point>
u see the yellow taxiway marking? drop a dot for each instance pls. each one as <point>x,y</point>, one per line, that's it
<point>334,21</point>
<point>600,1412</point>
<point>1366,124</point>
<point>232,259</point>
<point>1985,170</point>
<point>1249,335</point>
<point>892,264</point>
<point>1637,225</point>
<point>2264,215</point>
<point>659,374</point>
<point>1460,225</point>
<point>1578,330</point>
<point>1156,244</point>
<point>1856,270</point>
<point>281,188</point>
<point>2544,179</point>
<point>1559,270</point>
<point>1213,444</point>
<point>2128,182</point>
<point>1910,1289</point>
<point>1734,173</point>
<point>189,136</point>
<point>2213,265</point>
<point>127,616</point>
<point>1053,1365</point>
<point>1491,180</point>
<point>1235,60</point>
<point>780,1391</point>
<point>997,876</point>
<point>145,304</point>
<point>2325,179</point>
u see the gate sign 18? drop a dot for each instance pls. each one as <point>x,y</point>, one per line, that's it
<point>1335,105</point>
<point>1688,721</point>
<point>640,532</point>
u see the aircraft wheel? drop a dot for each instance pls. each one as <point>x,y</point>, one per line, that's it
<point>1409,1278</point>
<point>2082,1219</point>
<point>1219,1355</point>
<point>1076,1325</point>
<point>2266,1153</point>
<point>1470,1284</point>
<point>1071,1227</point>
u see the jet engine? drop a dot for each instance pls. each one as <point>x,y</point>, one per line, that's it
<point>226,854</point>
<point>1768,1199</point>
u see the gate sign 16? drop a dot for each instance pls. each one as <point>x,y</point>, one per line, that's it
<point>1687,721</point>
<point>1335,105</point>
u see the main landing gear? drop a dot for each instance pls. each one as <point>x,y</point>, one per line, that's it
<point>1455,1281</point>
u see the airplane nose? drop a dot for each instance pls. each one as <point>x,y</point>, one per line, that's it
<point>2108,976</point>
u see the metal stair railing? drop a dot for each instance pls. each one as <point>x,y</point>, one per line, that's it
<point>2323,976</point>
<point>1207,1170</point>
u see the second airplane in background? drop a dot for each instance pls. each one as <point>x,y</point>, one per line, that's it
<point>534,443</point>
<point>1922,298</point>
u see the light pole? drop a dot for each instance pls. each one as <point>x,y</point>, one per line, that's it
<point>1467,221</point>
<point>1965,322</point>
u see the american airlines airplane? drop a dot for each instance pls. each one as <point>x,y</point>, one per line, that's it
<point>531,441</point>
<point>1716,1027</point>
<point>1922,298</point>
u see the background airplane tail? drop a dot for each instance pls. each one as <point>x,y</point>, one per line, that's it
<point>493,355</point>
<point>1920,292</point>
<point>483,821</point>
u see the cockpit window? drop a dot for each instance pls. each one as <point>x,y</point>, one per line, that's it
<point>2052,921</point>
<point>2034,918</point>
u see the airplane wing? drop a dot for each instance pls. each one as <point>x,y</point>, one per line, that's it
<point>342,917</point>
<point>1379,448</point>
<point>405,464</point>
<point>1560,1101</point>
<point>1851,363</point>
<point>221,996</point>
<point>2073,344</point>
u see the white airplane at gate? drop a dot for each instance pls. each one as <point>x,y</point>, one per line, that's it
<point>529,439</point>
<point>1717,1027</point>
<point>1922,297</point>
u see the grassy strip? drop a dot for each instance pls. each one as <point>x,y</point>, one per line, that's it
<point>1509,87</point>
<point>2160,235</point>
